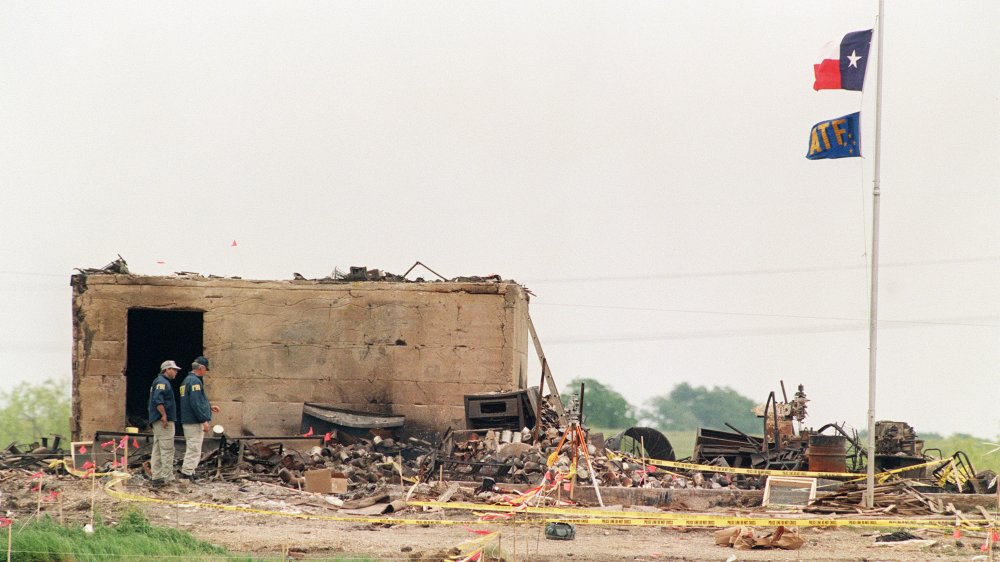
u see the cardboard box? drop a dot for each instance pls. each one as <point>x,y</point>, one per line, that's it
<point>338,481</point>
<point>322,481</point>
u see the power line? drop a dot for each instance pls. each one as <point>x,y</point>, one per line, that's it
<point>35,274</point>
<point>771,271</point>
<point>716,334</point>
<point>973,321</point>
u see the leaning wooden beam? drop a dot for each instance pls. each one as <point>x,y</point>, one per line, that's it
<point>546,373</point>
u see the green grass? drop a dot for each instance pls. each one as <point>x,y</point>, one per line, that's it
<point>134,538</point>
<point>45,540</point>
<point>972,446</point>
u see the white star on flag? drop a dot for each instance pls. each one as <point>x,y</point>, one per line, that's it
<point>854,58</point>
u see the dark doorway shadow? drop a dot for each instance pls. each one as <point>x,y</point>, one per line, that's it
<point>155,336</point>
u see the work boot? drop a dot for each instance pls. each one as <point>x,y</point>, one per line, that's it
<point>192,478</point>
<point>157,482</point>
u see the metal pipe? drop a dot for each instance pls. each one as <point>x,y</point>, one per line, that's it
<point>873,323</point>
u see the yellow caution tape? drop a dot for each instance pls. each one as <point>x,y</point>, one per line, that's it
<point>79,473</point>
<point>597,516</point>
<point>771,522</point>
<point>627,519</point>
<point>734,470</point>
<point>572,515</point>
<point>345,518</point>
<point>110,490</point>
<point>883,476</point>
<point>764,471</point>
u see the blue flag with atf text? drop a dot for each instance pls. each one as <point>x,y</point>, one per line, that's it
<point>835,138</point>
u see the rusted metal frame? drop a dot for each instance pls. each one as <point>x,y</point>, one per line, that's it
<point>767,406</point>
<point>415,264</point>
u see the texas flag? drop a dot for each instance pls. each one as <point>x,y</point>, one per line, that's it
<point>843,66</point>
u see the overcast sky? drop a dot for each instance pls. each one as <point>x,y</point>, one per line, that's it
<point>640,167</point>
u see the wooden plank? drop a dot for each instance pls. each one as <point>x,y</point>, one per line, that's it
<point>553,389</point>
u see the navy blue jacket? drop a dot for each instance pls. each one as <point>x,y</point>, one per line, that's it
<point>162,393</point>
<point>195,407</point>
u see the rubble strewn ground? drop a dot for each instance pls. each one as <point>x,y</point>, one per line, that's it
<point>410,499</point>
<point>273,527</point>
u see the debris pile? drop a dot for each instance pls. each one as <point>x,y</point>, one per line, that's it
<point>743,538</point>
<point>35,455</point>
<point>899,498</point>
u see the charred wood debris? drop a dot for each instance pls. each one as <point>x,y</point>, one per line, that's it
<point>372,458</point>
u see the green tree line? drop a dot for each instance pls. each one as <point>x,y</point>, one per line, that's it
<point>686,407</point>
<point>34,410</point>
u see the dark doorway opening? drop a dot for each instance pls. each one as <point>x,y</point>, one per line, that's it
<point>153,337</point>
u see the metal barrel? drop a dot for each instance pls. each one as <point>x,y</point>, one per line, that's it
<point>827,453</point>
<point>657,445</point>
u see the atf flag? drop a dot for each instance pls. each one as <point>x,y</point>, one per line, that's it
<point>843,66</point>
<point>835,138</point>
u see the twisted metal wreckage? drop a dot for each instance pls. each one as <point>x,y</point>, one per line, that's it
<point>519,438</point>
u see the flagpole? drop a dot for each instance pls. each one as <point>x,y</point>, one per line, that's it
<point>873,320</point>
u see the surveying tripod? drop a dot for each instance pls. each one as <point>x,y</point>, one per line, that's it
<point>577,441</point>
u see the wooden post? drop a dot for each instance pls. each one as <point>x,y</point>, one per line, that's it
<point>575,451</point>
<point>546,373</point>
<point>541,396</point>
<point>642,452</point>
<point>538,541</point>
<point>93,494</point>
<point>514,522</point>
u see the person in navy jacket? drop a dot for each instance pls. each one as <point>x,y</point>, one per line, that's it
<point>196,412</point>
<point>162,415</point>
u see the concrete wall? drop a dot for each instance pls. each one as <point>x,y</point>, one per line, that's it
<point>413,349</point>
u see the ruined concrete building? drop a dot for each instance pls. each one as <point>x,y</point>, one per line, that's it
<point>386,347</point>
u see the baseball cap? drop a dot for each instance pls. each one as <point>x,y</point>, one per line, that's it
<point>168,365</point>
<point>202,360</point>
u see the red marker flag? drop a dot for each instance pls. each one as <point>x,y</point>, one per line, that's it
<point>308,433</point>
<point>83,450</point>
<point>124,442</point>
<point>327,437</point>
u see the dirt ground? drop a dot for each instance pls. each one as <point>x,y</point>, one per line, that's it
<point>270,534</point>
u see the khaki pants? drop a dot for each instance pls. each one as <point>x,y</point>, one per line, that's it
<point>162,460</point>
<point>193,438</point>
